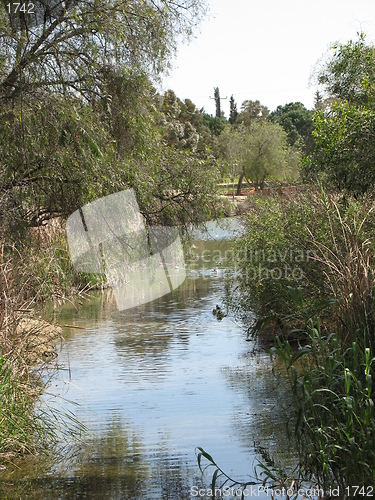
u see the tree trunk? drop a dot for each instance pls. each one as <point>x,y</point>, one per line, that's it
<point>239,185</point>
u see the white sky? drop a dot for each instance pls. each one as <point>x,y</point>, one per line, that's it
<point>264,49</point>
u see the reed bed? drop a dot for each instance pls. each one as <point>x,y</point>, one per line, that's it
<point>21,431</point>
<point>332,373</point>
<point>31,272</point>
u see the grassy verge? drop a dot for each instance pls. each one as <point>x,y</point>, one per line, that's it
<point>20,430</point>
<point>36,270</point>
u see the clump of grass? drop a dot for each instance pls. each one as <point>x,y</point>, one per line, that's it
<point>25,425</point>
<point>332,375</point>
<point>333,401</point>
<point>311,243</point>
<point>20,430</point>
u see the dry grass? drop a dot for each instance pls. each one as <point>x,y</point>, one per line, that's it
<point>348,266</point>
<point>24,341</point>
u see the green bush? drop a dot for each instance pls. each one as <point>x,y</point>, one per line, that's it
<point>307,242</point>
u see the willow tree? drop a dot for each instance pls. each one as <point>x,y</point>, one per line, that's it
<point>76,97</point>
<point>69,46</point>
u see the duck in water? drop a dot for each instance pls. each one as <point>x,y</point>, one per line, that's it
<point>218,312</point>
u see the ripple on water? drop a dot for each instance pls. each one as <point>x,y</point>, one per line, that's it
<point>155,382</point>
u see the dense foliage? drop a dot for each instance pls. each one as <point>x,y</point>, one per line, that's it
<point>277,251</point>
<point>306,268</point>
<point>297,121</point>
<point>80,118</point>
<point>344,152</point>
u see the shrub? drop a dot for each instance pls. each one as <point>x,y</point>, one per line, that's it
<point>308,242</point>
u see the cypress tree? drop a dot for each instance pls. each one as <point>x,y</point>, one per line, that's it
<point>217,101</point>
<point>233,113</point>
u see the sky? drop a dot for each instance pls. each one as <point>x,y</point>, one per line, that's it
<point>264,50</point>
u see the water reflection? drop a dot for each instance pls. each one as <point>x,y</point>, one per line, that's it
<point>113,465</point>
<point>262,426</point>
<point>155,382</point>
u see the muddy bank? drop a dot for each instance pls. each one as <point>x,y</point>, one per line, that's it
<point>38,340</point>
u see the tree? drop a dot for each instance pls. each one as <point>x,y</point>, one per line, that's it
<point>216,125</point>
<point>318,101</point>
<point>231,145</point>
<point>217,102</point>
<point>252,110</point>
<point>349,74</point>
<point>233,113</point>
<point>55,155</point>
<point>267,155</point>
<point>259,152</point>
<point>297,121</point>
<point>344,155</point>
<point>176,122</point>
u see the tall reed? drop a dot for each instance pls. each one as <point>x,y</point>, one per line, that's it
<point>26,425</point>
<point>332,375</point>
<point>348,265</point>
<point>20,429</point>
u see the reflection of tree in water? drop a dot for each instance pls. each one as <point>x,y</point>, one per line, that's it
<point>260,421</point>
<point>111,466</point>
<point>108,466</point>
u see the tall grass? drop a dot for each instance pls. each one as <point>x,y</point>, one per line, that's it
<point>308,242</point>
<point>333,400</point>
<point>20,430</point>
<point>347,262</point>
<point>332,375</point>
<point>30,272</point>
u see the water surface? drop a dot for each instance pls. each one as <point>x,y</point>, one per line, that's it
<point>155,382</point>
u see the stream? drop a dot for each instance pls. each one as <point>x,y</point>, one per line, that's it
<point>153,383</point>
